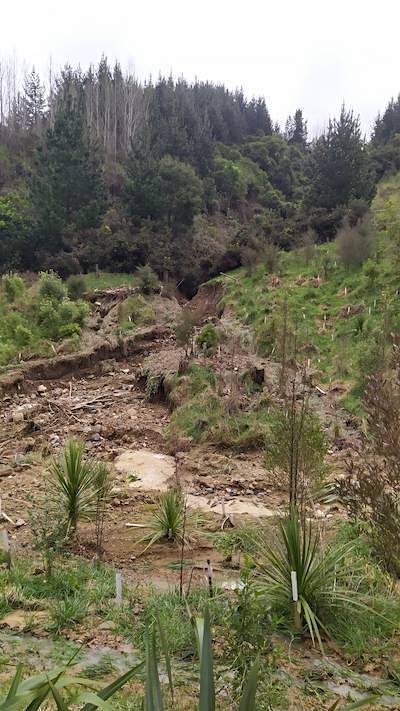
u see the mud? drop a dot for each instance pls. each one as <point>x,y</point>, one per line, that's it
<point>63,365</point>
<point>98,396</point>
<point>147,471</point>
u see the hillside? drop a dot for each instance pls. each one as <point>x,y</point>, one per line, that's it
<point>344,316</point>
<point>196,469</point>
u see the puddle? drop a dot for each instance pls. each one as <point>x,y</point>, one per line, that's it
<point>43,653</point>
<point>358,686</point>
<point>148,470</point>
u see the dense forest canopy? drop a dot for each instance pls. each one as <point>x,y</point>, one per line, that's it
<point>191,178</point>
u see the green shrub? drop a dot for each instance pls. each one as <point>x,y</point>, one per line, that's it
<point>61,319</point>
<point>147,279</point>
<point>13,286</point>
<point>49,319</point>
<point>76,286</point>
<point>51,287</point>
<point>23,336</point>
<point>172,522</point>
<point>327,577</point>
<point>69,330</point>
<point>8,352</point>
<point>207,339</point>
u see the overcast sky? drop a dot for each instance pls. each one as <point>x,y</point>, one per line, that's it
<point>312,54</point>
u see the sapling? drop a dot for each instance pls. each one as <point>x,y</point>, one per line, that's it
<point>47,523</point>
<point>103,484</point>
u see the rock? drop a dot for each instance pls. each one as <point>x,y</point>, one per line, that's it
<point>107,626</point>
<point>18,416</point>
<point>42,389</point>
<point>54,440</point>
<point>19,523</point>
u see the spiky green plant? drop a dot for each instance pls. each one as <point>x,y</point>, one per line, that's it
<point>75,479</point>
<point>326,582</point>
<point>64,689</point>
<point>203,633</point>
<point>171,521</point>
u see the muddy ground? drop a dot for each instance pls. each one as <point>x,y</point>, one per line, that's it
<point>101,400</point>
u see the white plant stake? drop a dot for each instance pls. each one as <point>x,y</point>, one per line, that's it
<point>118,589</point>
<point>295,594</point>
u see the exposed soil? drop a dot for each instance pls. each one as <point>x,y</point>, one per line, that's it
<point>98,395</point>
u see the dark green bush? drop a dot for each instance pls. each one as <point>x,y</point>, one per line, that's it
<point>147,279</point>
<point>207,339</point>
<point>76,286</point>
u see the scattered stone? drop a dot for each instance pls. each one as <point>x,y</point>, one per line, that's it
<point>42,389</point>
<point>107,626</point>
<point>20,522</point>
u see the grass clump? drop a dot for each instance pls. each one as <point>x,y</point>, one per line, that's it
<point>172,521</point>
<point>109,280</point>
<point>134,312</point>
<point>193,381</point>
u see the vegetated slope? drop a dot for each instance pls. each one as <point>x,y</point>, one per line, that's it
<point>343,310</point>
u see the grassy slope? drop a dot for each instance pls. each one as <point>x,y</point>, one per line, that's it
<point>332,338</point>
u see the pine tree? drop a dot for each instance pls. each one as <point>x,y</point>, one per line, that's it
<point>67,190</point>
<point>296,129</point>
<point>341,166</point>
<point>33,101</point>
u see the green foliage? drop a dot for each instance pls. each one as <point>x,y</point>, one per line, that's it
<point>51,287</point>
<point>76,286</point>
<point>355,244</point>
<point>75,480</point>
<point>189,383</point>
<point>66,690</point>
<point>172,521</point>
<point>16,232</point>
<point>184,329</point>
<point>238,540</point>
<point>58,317</point>
<point>44,313</point>
<point>47,521</point>
<point>297,437</point>
<point>135,311</point>
<point>67,192</point>
<point>13,286</point>
<point>203,415</point>
<point>326,579</point>
<point>208,338</point>
<point>67,612</point>
<point>341,167</point>
<point>249,627</point>
<point>147,279</point>
<point>167,190</point>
